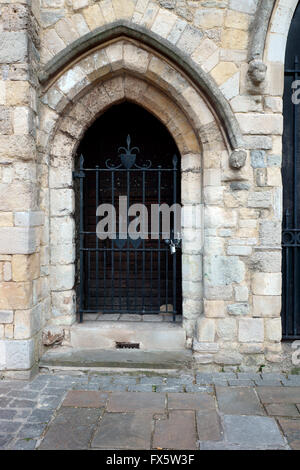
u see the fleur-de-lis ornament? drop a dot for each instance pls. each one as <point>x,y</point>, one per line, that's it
<point>127,157</point>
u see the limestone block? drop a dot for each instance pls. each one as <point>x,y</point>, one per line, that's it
<point>201,347</point>
<point>230,358</point>
<point>274,177</point>
<point>17,93</point>
<point>191,187</point>
<point>93,16</point>
<point>223,71</point>
<point>231,87</point>
<point>251,330</point>
<point>124,8</point>
<point>217,292</point>
<point>258,142</point>
<point>261,199</point>
<point>209,18</point>
<point>16,355</point>
<point>7,271</point>
<point>213,195</point>
<point>6,316</point>
<point>273,329</point>
<point>246,104</point>
<point>15,295</point>
<point>266,284</point>
<point>62,277</point>
<point>13,47</point>
<point>206,330</point>
<point>246,6</point>
<point>63,303</point>
<point>260,123</point>
<point>115,55</point>
<point>193,290</point>
<point>177,30</point>
<point>135,58</point>
<point>53,42</point>
<point>28,322</point>
<point>29,219</point>
<point>80,24</point>
<point>78,4</point>
<point>237,20</point>
<point>18,240</point>
<point>227,329</point>
<point>239,250</point>
<point>189,39</point>
<point>239,309</point>
<point>108,11</point>
<point>62,145</point>
<point>62,202</point>
<point>217,217</point>
<point>266,306</point>
<point>205,50</point>
<point>191,308</point>
<point>241,293</point>
<point>214,308</point>
<point>6,219</point>
<point>62,230</point>
<point>25,267</point>
<point>234,39</point>
<point>163,23</point>
<point>192,267</point>
<point>71,79</point>
<point>66,30</point>
<point>267,261</point>
<point>223,271</point>
<point>270,233</point>
<point>63,254</point>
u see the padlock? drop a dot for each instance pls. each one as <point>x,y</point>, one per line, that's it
<point>172,248</point>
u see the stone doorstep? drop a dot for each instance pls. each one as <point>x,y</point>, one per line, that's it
<point>116,360</point>
<point>152,336</point>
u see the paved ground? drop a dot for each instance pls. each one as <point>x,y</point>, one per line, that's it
<point>136,411</point>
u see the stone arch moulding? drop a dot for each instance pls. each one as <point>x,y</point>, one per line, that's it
<point>119,71</point>
<point>125,29</point>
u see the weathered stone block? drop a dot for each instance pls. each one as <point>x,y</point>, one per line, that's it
<point>266,284</point>
<point>63,303</point>
<point>273,329</point>
<point>206,330</point>
<point>214,308</point>
<point>238,309</point>
<point>13,47</point>
<point>266,306</point>
<point>227,329</point>
<point>6,316</point>
<point>25,267</point>
<point>222,270</point>
<point>251,330</point>
<point>270,232</point>
<point>17,240</point>
<point>15,295</point>
<point>62,277</point>
<point>16,355</point>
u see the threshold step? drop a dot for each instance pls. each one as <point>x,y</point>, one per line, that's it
<point>84,359</point>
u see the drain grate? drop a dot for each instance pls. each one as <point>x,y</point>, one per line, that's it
<point>120,345</point>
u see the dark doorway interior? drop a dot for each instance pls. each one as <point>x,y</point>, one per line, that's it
<point>126,276</point>
<point>291,187</point>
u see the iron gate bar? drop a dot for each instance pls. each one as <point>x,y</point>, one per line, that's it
<point>90,299</point>
<point>291,229</point>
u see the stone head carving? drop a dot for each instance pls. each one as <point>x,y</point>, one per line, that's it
<point>257,71</point>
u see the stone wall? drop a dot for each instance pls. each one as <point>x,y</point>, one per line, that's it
<point>232,317</point>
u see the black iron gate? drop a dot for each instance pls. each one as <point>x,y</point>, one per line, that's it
<point>122,273</point>
<point>291,188</point>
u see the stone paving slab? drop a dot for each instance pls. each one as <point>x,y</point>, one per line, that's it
<point>238,401</point>
<point>124,431</point>
<point>279,394</point>
<point>85,399</point>
<point>135,401</point>
<point>191,401</point>
<point>254,431</point>
<point>283,409</point>
<point>33,414</point>
<point>291,429</point>
<point>72,429</point>
<point>177,431</point>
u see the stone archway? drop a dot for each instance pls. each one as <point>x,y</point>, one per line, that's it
<point>117,72</point>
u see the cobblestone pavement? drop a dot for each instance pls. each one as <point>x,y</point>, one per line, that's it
<point>139,411</point>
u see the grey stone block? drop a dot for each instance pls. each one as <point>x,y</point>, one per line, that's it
<point>13,47</point>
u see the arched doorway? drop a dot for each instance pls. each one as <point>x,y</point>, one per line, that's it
<point>291,185</point>
<point>121,274</point>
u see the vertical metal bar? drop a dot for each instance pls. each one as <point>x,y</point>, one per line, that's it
<point>89,291</point>
<point>167,281</point>
<point>143,276</point>
<point>159,234</point>
<point>295,250</point>
<point>120,279</point>
<point>127,255</point>
<point>104,280</point>
<point>175,234</point>
<point>97,239</point>
<point>112,240</point>
<point>151,280</point>
<point>81,240</point>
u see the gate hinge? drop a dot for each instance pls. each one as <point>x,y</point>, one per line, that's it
<point>78,174</point>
